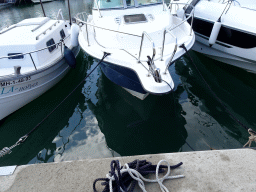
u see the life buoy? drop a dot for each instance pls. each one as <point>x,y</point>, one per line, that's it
<point>215,32</point>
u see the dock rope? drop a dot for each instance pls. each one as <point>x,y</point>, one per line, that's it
<point>123,178</point>
<point>251,138</point>
<point>216,97</point>
<point>7,150</point>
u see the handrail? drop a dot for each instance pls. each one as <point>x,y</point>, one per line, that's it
<point>29,53</point>
<point>45,21</point>
<point>152,42</point>
<point>44,32</point>
<point>191,14</point>
<point>80,21</point>
<point>167,31</point>
<point>96,2</point>
<point>174,51</point>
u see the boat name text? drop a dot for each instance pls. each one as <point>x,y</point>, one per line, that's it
<point>8,83</point>
<point>12,89</point>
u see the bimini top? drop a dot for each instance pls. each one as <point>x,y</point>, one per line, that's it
<point>123,4</point>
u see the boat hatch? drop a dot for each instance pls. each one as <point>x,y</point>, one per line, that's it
<point>137,18</point>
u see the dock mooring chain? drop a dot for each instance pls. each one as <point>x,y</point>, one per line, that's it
<point>7,150</point>
<point>230,114</point>
<point>121,178</point>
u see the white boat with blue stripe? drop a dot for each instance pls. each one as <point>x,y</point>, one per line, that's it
<point>143,39</point>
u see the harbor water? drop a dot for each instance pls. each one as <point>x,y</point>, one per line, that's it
<point>100,119</point>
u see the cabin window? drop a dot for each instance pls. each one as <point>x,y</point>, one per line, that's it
<point>106,4</point>
<point>130,3</point>
<point>49,43</point>
<point>145,2</point>
<point>15,57</point>
<point>62,34</point>
<point>135,18</point>
<point>226,35</point>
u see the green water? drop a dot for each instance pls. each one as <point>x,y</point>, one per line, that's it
<point>102,120</point>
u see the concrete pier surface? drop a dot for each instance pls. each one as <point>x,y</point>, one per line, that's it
<point>218,170</point>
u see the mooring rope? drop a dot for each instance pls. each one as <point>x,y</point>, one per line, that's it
<point>216,97</point>
<point>7,150</point>
<point>176,116</point>
<point>121,178</point>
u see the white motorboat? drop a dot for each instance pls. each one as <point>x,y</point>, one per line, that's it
<point>32,59</point>
<point>143,39</point>
<point>226,31</point>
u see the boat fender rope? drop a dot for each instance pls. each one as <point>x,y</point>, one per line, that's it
<point>251,138</point>
<point>123,178</point>
<point>7,150</point>
<point>216,97</point>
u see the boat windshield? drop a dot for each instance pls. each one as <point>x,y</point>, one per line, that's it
<point>146,2</point>
<point>107,4</point>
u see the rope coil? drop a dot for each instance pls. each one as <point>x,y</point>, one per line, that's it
<point>121,178</point>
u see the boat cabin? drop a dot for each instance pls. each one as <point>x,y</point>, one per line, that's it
<point>31,35</point>
<point>129,16</point>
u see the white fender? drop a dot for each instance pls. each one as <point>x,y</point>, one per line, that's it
<point>74,35</point>
<point>215,32</point>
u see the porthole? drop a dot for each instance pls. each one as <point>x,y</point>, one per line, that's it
<point>62,34</point>
<point>51,45</point>
<point>15,57</point>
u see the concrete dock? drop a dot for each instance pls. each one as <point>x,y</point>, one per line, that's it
<point>217,170</point>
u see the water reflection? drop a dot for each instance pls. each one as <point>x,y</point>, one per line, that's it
<point>134,127</point>
<point>207,118</point>
<point>103,120</point>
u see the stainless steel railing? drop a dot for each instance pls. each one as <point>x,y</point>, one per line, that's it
<point>80,17</point>
<point>29,53</point>
<point>152,43</point>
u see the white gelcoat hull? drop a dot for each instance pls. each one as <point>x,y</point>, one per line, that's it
<point>237,18</point>
<point>124,49</point>
<point>224,57</point>
<point>15,96</point>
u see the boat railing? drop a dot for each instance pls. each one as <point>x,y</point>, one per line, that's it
<point>184,19</point>
<point>152,43</point>
<point>97,6</point>
<point>29,53</point>
<point>81,19</point>
<point>164,34</point>
<point>96,2</point>
<point>49,28</point>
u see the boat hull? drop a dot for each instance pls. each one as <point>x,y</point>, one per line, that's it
<point>18,91</point>
<point>224,57</point>
<point>122,76</point>
<point>236,40</point>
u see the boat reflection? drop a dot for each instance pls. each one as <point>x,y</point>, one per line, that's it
<point>135,127</point>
